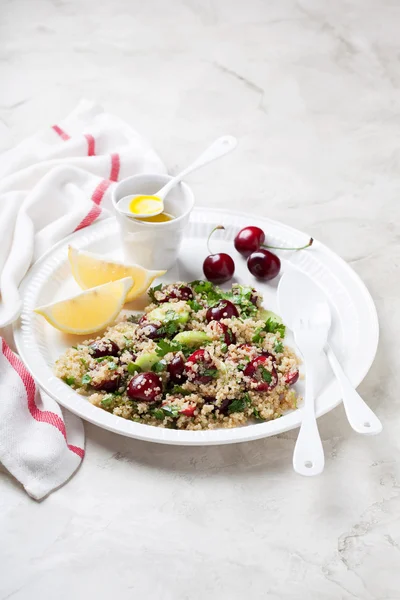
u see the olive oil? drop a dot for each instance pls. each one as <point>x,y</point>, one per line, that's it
<point>161,218</point>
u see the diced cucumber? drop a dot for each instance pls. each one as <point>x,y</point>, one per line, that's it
<point>146,361</point>
<point>160,313</point>
<point>264,315</point>
<point>192,338</point>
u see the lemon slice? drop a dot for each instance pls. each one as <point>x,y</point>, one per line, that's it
<point>90,311</point>
<point>91,269</point>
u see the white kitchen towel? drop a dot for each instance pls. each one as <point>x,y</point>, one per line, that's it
<point>52,184</point>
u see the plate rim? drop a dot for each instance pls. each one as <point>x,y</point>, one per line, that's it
<point>220,436</point>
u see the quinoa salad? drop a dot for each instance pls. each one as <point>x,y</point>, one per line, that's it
<point>198,358</point>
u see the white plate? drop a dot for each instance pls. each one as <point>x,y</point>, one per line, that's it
<point>354,331</point>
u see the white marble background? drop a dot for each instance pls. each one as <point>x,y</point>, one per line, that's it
<point>311,89</point>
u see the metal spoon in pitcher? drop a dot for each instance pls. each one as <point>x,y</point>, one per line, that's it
<point>140,207</point>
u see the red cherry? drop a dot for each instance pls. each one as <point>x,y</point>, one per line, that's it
<point>145,387</point>
<point>256,369</point>
<point>225,332</point>
<point>263,264</point>
<point>107,385</point>
<point>292,377</point>
<point>223,310</point>
<point>103,347</point>
<point>249,239</point>
<point>219,268</point>
<point>182,292</point>
<point>197,365</point>
<point>188,411</point>
<point>176,368</point>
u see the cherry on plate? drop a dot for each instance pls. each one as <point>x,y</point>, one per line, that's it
<point>248,240</point>
<point>177,292</point>
<point>223,310</point>
<point>292,377</point>
<point>102,348</point>
<point>107,384</point>
<point>219,268</point>
<point>145,387</point>
<point>261,373</point>
<point>197,366</point>
<point>176,369</point>
<point>263,264</point>
<point>227,335</point>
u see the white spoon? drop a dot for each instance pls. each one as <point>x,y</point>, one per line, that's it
<point>154,205</point>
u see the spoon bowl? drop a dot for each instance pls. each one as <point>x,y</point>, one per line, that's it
<point>147,204</point>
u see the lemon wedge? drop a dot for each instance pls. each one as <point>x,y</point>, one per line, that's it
<point>89,311</point>
<point>91,269</point>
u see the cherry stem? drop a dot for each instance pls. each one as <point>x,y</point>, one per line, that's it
<point>209,237</point>
<point>310,243</point>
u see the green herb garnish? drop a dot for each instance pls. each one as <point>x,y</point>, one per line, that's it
<point>266,375</point>
<point>237,406</point>
<point>278,348</point>
<point>159,366</point>
<point>209,292</point>
<point>178,389</point>
<point>210,373</point>
<point>86,379</point>
<point>112,366</point>
<point>69,380</point>
<point>224,347</point>
<point>246,398</point>
<point>151,292</point>
<point>107,402</point>
<point>194,305</point>
<point>170,411</point>
<point>104,358</point>
<point>257,415</point>
<point>84,362</point>
<point>166,346</point>
<point>134,319</point>
<point>171,324</point>
<point>270,326</point>
<point>158,413</point>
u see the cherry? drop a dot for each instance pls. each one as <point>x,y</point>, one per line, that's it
<point>248,240</point>
<point>227,334</point>
<point>256,370</point>
<point>188,411</point>
<point>150,330</point>
<point>145,387</point>
<point>263,264</point>
<point>223,310</point>
<point>292,377</point>
<point>251,238</point>
<point>102,348</point>
<point>176,369</point>
<point>107,385</point>
<point>182,292</point>
<point>218,268</point>
<point>203,363</point>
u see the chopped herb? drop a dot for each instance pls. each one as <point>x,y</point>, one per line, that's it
<point>134,318</point>
<point>266,375</point>
<point>194,305</point>
<point>107,401</point>
<point>237,406</point>
<point>270,326</point>
<point>207,290</point>
<point>112,366</point>
<point>210,373</point>
<point>177,389</point>
<point>257,415</point>
<point>241,367</point>
<point>86,379</point>
<point>151,292</point>
<point>170,410</point>
<point>159,366</point>
<point>171,324</point>
<point>69,380</point>
<point>278,347</point>
<point>166,346</point>
<point>128,341</point>
<point>133,368</point>
<point>224,347</point>
<point>104,358</point>
<point>158,413</point>
<point>246,398</point>
<point>83,361</point>
<point>75,347</point>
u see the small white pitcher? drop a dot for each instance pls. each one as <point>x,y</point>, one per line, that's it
<point>153,245</point>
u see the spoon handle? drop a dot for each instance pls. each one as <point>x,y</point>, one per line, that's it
<point>219,148</point>
<point>308,455</point>
<point>361,418</point>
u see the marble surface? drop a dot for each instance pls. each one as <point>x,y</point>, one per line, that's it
<point>312,91</point>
